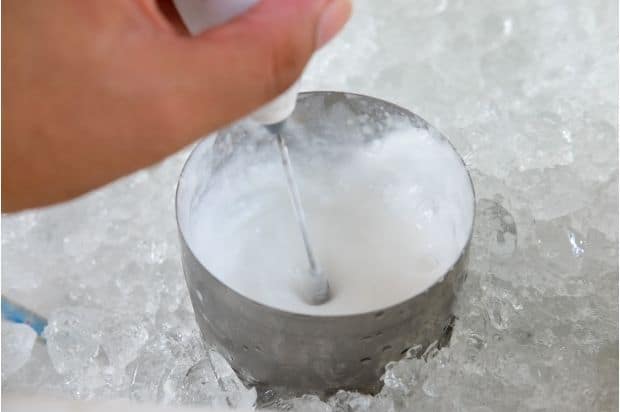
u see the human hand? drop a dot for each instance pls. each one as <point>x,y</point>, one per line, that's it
<point>93,90</point>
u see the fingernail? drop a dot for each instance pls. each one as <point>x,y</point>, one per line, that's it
<point>332,19</point>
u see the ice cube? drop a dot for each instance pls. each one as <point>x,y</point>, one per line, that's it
<point>73,344</point>
<point>213,382</point>
<point>17,342</point>
<point>122,337</point>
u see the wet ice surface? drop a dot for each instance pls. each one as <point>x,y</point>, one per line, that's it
<point>526,90</point>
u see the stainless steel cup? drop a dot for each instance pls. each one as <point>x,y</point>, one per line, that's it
<point>304,353</point>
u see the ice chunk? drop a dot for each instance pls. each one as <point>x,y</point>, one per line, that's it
<point>551,193</point>
<point>90,347</point>
<point>17,342</point>
<point>159,370</point>
<point>560,246</point>
<point>591,137</point>
<point>213,382</point>
<point>496,231</point>
<point>37,375</point>
<point>122,338</point>
<point>73,345</point>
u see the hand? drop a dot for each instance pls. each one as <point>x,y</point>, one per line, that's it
<point>93,90</point>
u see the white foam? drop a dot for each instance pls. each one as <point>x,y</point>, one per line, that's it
<point>386,224</point>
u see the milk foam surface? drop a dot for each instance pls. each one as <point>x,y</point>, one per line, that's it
<point>386,223</point>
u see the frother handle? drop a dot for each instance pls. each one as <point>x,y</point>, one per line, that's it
<point>201,15</point>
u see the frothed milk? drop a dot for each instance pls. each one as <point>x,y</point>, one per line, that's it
<point>386,221</point>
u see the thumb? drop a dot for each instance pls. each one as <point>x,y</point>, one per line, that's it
<point>231,70</point>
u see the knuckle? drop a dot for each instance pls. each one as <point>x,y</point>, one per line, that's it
<point>287,57</point>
